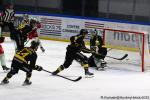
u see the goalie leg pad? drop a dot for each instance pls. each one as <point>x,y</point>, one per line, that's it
<point>100,63</point>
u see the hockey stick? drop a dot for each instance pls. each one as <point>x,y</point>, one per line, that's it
<point>118,58</point>
<point>109,49</point>
<point>114,57</point>
<point>26,42</point>
<point>74,80</point>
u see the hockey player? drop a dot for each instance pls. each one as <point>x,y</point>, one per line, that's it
<point>33,35</point>
<point>17,36</point>
<point>2,55</point>
<point>25,21</point>
<point>96,44</point>
<point>24,60</point>
<point>22,32</point>
<point>74,52</point>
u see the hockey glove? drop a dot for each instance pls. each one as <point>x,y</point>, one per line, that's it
<point>38,68</point>
<point>96,54</point>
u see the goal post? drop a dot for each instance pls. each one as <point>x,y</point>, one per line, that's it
<point>129,41</point>
<point>145,54</point>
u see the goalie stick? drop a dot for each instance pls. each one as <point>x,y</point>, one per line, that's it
<point>123,57</point>
<point>74,80</point>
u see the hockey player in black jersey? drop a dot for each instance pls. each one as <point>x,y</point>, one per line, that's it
<point>24,60</point>
<point>96,44</point>
<point>74,53</point>
<point>22,32</point>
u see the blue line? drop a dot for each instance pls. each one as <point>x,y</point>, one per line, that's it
<point>87,18</point>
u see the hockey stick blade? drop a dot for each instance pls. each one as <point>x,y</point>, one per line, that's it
<point>74,80</point>
<point>125,56</point>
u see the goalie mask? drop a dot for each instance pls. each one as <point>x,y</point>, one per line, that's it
<point>94,32</point>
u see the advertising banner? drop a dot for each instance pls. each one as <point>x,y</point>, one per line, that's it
<point>65,27</point>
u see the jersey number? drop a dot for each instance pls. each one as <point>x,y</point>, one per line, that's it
<point>23,53</point>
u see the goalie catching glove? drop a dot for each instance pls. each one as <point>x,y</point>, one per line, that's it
<point>38,68</point>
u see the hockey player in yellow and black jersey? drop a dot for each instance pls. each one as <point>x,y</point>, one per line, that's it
<point>24,60</point>
<point>74,53</point>
<point>25,21</point>
<point>26,26</point>
<point>22,32</point>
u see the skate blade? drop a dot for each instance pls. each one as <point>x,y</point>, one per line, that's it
<point>101,69</point>
<point>24,84</point>
<point>89,76</point>
<point>3,83</point>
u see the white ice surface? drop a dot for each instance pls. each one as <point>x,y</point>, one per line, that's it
<point>117,80</point>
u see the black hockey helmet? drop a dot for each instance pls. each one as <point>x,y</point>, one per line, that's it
<point>33,22</point>
<point>34,44</point>
<point>83,31</point>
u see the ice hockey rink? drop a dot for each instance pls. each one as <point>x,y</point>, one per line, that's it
<point>119,78</point>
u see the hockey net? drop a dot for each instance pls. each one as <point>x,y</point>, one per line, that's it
<point>133,43</point>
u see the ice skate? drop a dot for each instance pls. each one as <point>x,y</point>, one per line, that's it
<point>26,82</point>
<point>5,69</point>
<point>100,68</point>
<point>55,72</point>
<point>103,63</point>
<point>88,74</point>
<point>4,82</point>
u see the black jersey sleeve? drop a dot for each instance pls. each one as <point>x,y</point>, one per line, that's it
<point>85,49</point>
<point>26,29</point>
<point>100,41</point>
<point>92,41</point>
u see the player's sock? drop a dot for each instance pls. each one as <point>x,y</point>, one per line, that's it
<point>60,68</point>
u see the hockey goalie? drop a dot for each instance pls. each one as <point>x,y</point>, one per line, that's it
<point>96,44</point>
